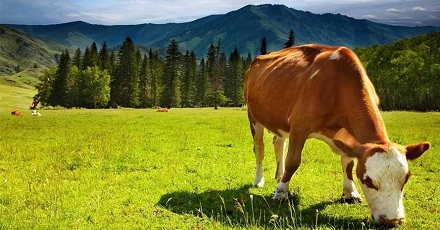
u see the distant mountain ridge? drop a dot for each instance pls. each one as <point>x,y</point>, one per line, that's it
<point>243,28</point>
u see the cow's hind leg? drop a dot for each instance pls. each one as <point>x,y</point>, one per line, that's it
<point>278,144</point>
<point>257,133</point>
<point>350,193</point>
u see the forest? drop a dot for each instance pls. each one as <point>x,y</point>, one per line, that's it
<point>405,75</point>
<point>102,79</point>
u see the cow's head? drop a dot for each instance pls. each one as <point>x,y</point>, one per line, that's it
<point>383,172</point>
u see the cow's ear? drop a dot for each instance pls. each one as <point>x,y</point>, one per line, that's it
<point>416,150</point>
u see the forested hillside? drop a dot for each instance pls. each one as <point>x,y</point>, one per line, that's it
<point>406,73</point>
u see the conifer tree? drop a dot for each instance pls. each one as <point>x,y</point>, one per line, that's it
<point>155,71</point>
<point>234,79</point>
<point>60,88</point>
<point>76,60</point>
<point>171,76</point>
<point>143,83</point>
<point>124,86</point>
<point>202,85</point>
<point>188,89</point>
<point>263,49</point>
<point>104,58</point>
<point>291,40</point>
<point>216,65</point>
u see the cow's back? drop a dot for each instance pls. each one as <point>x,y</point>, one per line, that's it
<point>312,81</point>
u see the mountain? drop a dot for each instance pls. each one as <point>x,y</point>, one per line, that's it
<point>22,56</point>
<point>243,28</point>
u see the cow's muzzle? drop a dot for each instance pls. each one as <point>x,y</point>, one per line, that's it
<point>383,220</point>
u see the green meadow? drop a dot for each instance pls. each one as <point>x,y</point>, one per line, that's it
<point>185,169</point>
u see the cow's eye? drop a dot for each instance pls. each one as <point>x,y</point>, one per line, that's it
<point>369,183</point>
<point>406,179</point>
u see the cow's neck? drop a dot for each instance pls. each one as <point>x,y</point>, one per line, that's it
<point>366,124</point>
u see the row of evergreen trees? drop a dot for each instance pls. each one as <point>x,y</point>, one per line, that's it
<point>99,79</point>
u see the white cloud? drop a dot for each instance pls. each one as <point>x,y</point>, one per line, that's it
<point>418,8</point>
<point>370,17</point>
<point>393,10</point>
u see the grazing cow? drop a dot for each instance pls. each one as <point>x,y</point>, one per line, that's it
<point>163,110</point>
<point>36,113</point>
<point>16,113</point>
<point>323,92</point>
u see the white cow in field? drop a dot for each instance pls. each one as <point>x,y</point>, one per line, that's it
<point>36,113</point>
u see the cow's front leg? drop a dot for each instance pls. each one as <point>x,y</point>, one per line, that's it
<point>350,193</point>
<point>278,144</point>
<point>257,132</point>
<point>292,162</point>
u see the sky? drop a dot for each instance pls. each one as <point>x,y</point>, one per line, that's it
<point>129,12</point>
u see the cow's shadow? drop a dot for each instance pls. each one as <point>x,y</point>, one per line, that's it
<point>240,208</point>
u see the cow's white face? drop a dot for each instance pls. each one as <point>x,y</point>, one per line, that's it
<point>382,183</point>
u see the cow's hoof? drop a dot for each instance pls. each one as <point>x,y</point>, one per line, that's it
<point>280,196</point>
<point>281,192</point>
<point>259,183</point>
<point>351,200</point>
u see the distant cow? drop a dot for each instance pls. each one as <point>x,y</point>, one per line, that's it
<point>36,113</point>
<point>323,92</point>
<point>17,113</point>
<point>162,110</point>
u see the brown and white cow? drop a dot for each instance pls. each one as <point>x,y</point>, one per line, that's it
<point>16,113</point>
<point>163,110</point>
<point>323,92</point>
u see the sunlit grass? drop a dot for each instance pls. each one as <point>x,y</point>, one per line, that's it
<point>186,169</point>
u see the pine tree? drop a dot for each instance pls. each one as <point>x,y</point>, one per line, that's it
<point>291,40</point>
<point>188,88</point>
<point>124,86</point>
<point>234,79</point>
<point>104,58</point>
<point>76,60</point>
<point>216,65</point>
<point>143,83</point>
<point>60,88</point>
<point>156,64</point>
<point>86,59</point>
<point>171,77</point>
<point>202,85</point>
<point>263,49</point>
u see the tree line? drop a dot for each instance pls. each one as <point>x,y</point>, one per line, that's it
<point>103,78</point>
<point>128,78</point>
<point>406,74</point>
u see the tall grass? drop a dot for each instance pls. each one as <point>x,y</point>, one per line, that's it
<point>186,169</point>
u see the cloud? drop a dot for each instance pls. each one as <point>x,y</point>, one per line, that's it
<point>418,8</point>
<point>370,16</point>
<point>393,10</point>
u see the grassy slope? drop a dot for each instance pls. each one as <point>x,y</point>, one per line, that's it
<point>95,169</point>
<point>12,97</point>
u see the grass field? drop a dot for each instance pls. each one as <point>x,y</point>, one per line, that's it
<point>186,169</point>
